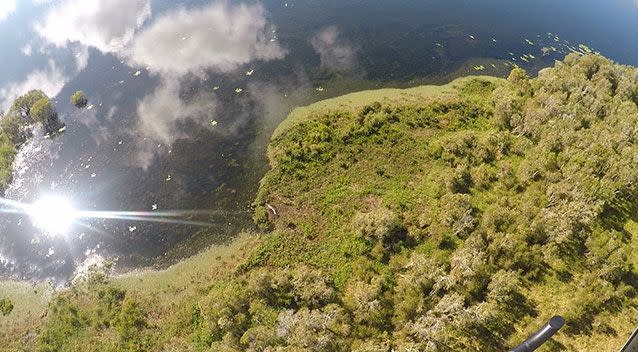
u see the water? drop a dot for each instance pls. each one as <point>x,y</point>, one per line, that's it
<point>185,95</point>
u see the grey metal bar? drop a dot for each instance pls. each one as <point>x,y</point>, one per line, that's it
<point>541,336</point>
<point>632,343</point>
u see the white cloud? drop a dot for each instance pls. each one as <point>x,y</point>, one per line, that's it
<point>220,36</point>
<point>27,50</point>
<point>50,80</point>
<point>334,52</point>
<point>161,113</point>
<point>97,130</point>
<point>7,7</point>
<point>108,25</point>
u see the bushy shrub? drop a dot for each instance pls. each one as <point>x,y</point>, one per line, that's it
<point>376,225</point>
<point>6,306</point>
<point>314,329</point>
<point>366,302</point>
<point>310,288</point>
<point>78,99</point>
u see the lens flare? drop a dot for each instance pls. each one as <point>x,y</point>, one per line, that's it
<point>53,214</point>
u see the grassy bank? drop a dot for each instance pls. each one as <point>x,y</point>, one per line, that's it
<point>165,293</point>
<point>458,217</point>
<point>29,303</point>
<point>355,101</point>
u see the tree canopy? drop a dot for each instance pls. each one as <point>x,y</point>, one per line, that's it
<point>43,111</point>
<point>23,104</point>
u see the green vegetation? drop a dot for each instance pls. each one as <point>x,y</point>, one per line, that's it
<point>7,154</point>
<point>15,127</point>
<point>6,306</point>
<point>43,111</point>
<point>447,218</point>
<point>95,315</point>
<point>29,304</point>
<point>79,100</point>
<point>33,107</point>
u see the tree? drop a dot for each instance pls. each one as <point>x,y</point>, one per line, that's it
<point>15,122</point>
<point>314,329</point>
<point>7,153</point>
<point>380,228</point>
<point>519,78</point>
<point>379,343</point>
<point>432,330</point>
<point>310,287</point>
<point>259,338</point>
<point>449,219</point>
<point>23,104</point>
<point>14,127</point>
<point>418,285</point>
<point>376,225</point>
<point>365,301</point>
<point>43,111</point>
<point>225,312</point>
<point>130,323</point>
<point>459,180</point>
<point>79,100</point>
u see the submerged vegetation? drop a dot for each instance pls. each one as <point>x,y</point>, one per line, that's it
<point>430,219</point>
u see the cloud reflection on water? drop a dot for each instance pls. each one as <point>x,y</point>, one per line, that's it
<point>50,80</point>
<point>184,44</point>
<point>161,112</point>
<point>108,25</point>
<point>220,37</point>
<point>177,46</point>
<point>335,53</point>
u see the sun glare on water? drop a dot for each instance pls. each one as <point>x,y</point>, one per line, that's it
<point>53,214</point>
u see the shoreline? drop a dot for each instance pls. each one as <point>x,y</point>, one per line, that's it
<point>137,279</point>
<point>351,101</point>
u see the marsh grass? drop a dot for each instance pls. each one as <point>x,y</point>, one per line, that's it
<point>29,306</point>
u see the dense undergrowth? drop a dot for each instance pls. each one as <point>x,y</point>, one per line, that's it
<point>453,222</point>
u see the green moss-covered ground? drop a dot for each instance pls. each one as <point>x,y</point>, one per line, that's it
<point>451,218</point>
